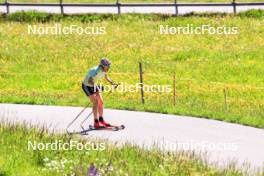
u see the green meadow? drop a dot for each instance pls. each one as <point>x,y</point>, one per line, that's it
<point>217,76</point>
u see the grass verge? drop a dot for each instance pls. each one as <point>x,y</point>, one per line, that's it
<point>17,158</point>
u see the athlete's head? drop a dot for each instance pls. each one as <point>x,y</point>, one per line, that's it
<point>105,64</point>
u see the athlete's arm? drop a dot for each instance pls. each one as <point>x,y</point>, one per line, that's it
<point>92,73</point>
<point>91,81</point>
<point>109,80</point>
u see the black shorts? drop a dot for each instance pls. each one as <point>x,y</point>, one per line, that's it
<point>89,90</point>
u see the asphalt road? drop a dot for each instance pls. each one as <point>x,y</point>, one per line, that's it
<point>223,142</point>
<point>164,10</point>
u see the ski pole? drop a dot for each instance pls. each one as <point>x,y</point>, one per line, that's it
<point>85,120</point>
<point>92,111</point>
<point>75,118</point>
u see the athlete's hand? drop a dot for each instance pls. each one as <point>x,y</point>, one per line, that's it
<point>115,85</point>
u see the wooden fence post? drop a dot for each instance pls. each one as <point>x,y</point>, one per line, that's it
<point>141,83</point>
<point>174,89</point>
<point>234,6</point>
<point>7,7</point>
<point>176,7</point>
<point>118,7</point>
<point>225,99</point>
<point>61,7</point>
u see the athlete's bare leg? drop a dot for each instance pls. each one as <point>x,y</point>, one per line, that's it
<point>94,100</point>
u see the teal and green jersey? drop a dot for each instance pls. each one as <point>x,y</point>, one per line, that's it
<point>95,73</point>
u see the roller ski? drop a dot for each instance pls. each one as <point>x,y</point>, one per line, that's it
<point>102,125</point>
